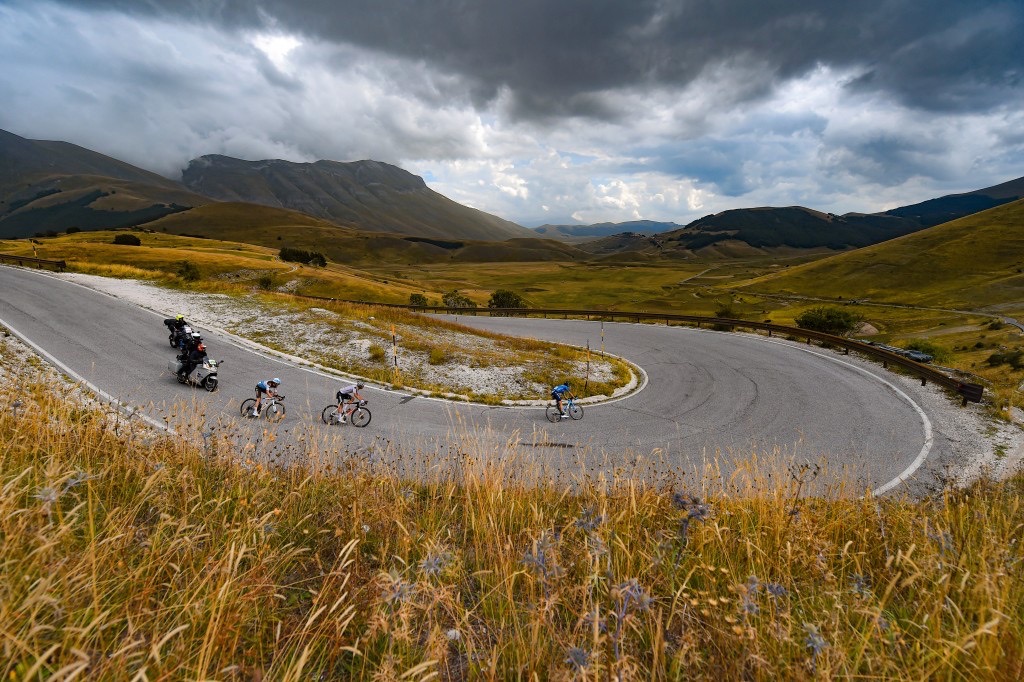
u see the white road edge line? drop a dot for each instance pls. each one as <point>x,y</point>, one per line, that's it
<point>121,406</point>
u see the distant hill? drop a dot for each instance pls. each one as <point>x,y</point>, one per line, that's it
<point>51,186</point>
<point>276,227</point>
<point>970,262</point>
<point>766,230</point>
<point>371,195</point>
<point>574,233</point>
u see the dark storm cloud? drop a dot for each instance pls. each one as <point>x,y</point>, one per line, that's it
<point>554,58</point>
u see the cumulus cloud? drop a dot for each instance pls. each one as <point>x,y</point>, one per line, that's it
<point>543,111</point>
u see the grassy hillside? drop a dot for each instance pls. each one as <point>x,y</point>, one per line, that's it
<point>127,555</point>
<point>971,263</point>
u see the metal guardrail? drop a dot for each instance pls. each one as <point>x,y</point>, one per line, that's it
<point>970,392</point>
<point>57,265</point>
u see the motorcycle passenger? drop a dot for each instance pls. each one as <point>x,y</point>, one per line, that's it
<point>267,387</point>
<point>193,359</point>
<point>178,328</point>
<point>348,396</point>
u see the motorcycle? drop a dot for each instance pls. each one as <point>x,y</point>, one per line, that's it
<point>204,374</point>
<point>177,336</point>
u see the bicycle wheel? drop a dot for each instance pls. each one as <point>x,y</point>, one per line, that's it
<point>552,414</point>
<point>247,406</point>
<point>575,411</point>
<point>361,416</point>
<point>274,412</point>
<point>329,415</point>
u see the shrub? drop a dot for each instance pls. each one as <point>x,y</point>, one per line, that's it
<point>265,282</point>
<point>188,271</point>
<point>1013,357</point>
<point>72,230</point>
<point>437,356</point>
<point>503,298</point>
<point>127,240</point>
<point>377,352</point>
<point>417,299</point>
<point>829,320</point>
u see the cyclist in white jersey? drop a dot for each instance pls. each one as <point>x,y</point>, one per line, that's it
<point>348,396</point>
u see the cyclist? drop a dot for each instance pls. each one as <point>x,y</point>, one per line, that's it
<point>556,394</point>
<point>267,387</point>
<point>348,395</point>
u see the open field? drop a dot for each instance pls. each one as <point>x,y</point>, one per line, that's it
<point>128,554</point>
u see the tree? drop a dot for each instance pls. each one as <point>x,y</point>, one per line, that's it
<point>453,299</point>
<point>829,320</point>
<point>503,298</point>
<point>417,300</point>
<point>127,239</point>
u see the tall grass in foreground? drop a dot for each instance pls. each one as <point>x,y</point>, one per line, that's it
<point>132,556</point>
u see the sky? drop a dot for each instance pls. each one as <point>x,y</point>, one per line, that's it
<point>544,111</point>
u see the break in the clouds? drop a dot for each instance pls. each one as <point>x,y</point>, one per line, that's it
<point>544,110</point>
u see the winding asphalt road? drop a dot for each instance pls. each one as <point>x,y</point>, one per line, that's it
<point>706,393</point>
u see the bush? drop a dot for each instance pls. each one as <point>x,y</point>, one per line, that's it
<point>188,271</point>
<point>503,298</point>
<point>417,299</point>
<point>316,258</point>
<point>1014,358</point>
<point>377,352</point>
<point>265,282</point>
<point>127,240</point>
<point>72,230</point>
<point>437,356</point>
<point>829,320</point>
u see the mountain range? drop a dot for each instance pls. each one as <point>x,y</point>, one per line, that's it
<point>51,186</point>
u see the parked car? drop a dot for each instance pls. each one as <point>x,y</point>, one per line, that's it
<point>917,356</point>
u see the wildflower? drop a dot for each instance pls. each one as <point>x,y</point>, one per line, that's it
<point>578,658</point>
<point>433,564</point>
<point>695,511</point>
<point>814,641</point>
<point>76,480</point>
<point>632,597</point>
<point>753,584</point>
<point>399,591</point>
<point>541,560</point>
<point>860,585</point>
<point>47,496</point>
<point>749,607</point>
<point>776,590</point>
<point>593,618</point>
<point>589,520</point>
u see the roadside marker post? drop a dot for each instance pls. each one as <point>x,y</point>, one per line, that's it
<point>586,382</point>
<point>394,352</point>
<point>602,338</point>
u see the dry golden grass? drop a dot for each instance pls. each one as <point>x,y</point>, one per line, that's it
<point>127,555</point>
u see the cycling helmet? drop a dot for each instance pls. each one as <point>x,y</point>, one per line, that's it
<point>275,380</point>
<point>359,385</point>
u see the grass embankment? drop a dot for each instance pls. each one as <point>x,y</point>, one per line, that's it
<point>145,557</point>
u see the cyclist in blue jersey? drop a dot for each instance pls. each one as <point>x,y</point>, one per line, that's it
<point>556,394</point>
<point>267,387</point>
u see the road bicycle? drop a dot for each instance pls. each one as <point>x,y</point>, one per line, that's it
<point>273,408</point>
<point>570,407</point>
<point>360,416</point>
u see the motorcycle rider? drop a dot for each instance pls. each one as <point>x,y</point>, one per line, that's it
<point>192,359</point>
<point>267,387</point>
<point>177,326</point>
